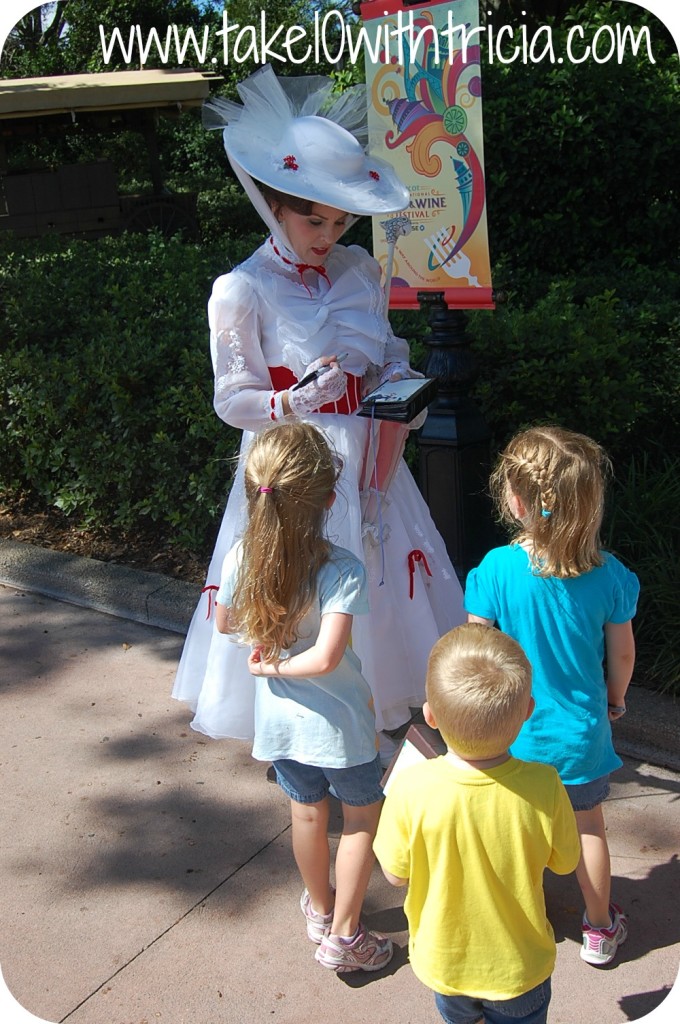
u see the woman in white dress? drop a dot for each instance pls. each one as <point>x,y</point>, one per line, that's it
<point>300,301</point>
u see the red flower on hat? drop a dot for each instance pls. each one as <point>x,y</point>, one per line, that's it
<point>290,163</point>
<point>374,175</point>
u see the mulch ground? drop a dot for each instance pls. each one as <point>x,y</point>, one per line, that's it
<point>52,529</point>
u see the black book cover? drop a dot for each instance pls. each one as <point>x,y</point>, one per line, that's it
<point>399,400</point>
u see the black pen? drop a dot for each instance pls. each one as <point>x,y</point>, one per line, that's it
<point>317,373</point>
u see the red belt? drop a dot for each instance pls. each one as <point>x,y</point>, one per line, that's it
<point>283,379</point>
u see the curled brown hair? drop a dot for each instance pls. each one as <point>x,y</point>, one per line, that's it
<point>290,475</point>
<point>559,476</point>
<point>276,200</point>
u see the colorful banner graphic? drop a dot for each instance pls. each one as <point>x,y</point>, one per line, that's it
<point>425,118</point>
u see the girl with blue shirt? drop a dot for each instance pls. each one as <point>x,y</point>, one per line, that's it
<point>291,595</point>
<point>569,605</point>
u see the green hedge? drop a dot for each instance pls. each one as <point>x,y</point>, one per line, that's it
<point>641,528</point>
<point>593,354</point>
<point>582,159</point>
<point>106,383</point>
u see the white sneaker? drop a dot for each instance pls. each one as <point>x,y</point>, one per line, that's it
<point>318,925</point>
<point>600,944</point>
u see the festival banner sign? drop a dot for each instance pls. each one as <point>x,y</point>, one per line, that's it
<point>425,118</point>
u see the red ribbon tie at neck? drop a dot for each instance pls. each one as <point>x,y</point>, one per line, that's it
<point>415,556</point>
<point>301,267</point>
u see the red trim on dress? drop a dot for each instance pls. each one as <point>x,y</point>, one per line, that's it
<point>209,591</point>
<point>415,556</point>
<point>283,379</point>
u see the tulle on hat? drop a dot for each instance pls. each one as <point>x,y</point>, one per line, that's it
<point>291,135</point>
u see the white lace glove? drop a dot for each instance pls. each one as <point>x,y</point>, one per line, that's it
<point>398,371</point>
<point>329,386</point>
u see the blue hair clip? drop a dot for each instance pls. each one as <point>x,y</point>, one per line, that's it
<point>546,513</point>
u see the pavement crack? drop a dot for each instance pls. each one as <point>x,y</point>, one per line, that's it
<point>183,917</point>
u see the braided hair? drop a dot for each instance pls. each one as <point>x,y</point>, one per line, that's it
<point>559,476</point>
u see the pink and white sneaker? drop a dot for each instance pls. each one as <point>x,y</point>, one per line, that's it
<point>318,925</point>
<point>365,951</point>
<point>600,944</point>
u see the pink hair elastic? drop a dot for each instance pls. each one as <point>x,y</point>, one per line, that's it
<point>266,490</point>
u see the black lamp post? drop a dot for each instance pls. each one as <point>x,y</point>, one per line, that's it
<point>454,443</point>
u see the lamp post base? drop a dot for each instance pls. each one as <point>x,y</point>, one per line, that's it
<point>454,443</point>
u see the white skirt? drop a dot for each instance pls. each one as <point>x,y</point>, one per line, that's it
<point>414,595</point>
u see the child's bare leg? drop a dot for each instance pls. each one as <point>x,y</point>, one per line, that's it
<point>594,868</point>
<point>311,851</point>
<point>353,865</point>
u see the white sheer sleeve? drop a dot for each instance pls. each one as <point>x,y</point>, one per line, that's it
<point>243,386</point>
<point>396,349</point>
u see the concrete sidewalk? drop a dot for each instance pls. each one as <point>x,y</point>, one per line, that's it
<point>147,870</point>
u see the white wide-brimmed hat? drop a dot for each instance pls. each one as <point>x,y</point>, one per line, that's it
<point>290,136</point>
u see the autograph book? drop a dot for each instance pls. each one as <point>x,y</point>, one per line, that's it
<point>399,400</point>
<point>420,743</point>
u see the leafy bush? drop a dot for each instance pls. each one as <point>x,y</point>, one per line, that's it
<point>228,211</point>
<point>582,159</point>
<point>641,528</point>
<point>602,362</point>
<point>106,392</point>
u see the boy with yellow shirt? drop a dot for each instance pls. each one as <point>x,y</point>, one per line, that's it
<point>471,833</point>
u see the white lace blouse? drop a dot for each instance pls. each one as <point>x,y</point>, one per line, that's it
<point>265,313</point>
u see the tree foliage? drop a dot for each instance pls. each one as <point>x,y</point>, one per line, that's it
<point>33,47</point>
<point>63,37</point>
<point>582,158</point>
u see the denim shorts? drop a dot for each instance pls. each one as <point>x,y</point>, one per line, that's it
<point>357,787</point>
<point>529,1008</point>
<point>588,795</point>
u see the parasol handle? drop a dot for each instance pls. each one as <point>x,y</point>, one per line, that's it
<point>394,228</point>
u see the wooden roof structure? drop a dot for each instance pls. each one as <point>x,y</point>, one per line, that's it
<point>82,198</point>
<point>172,90</point>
